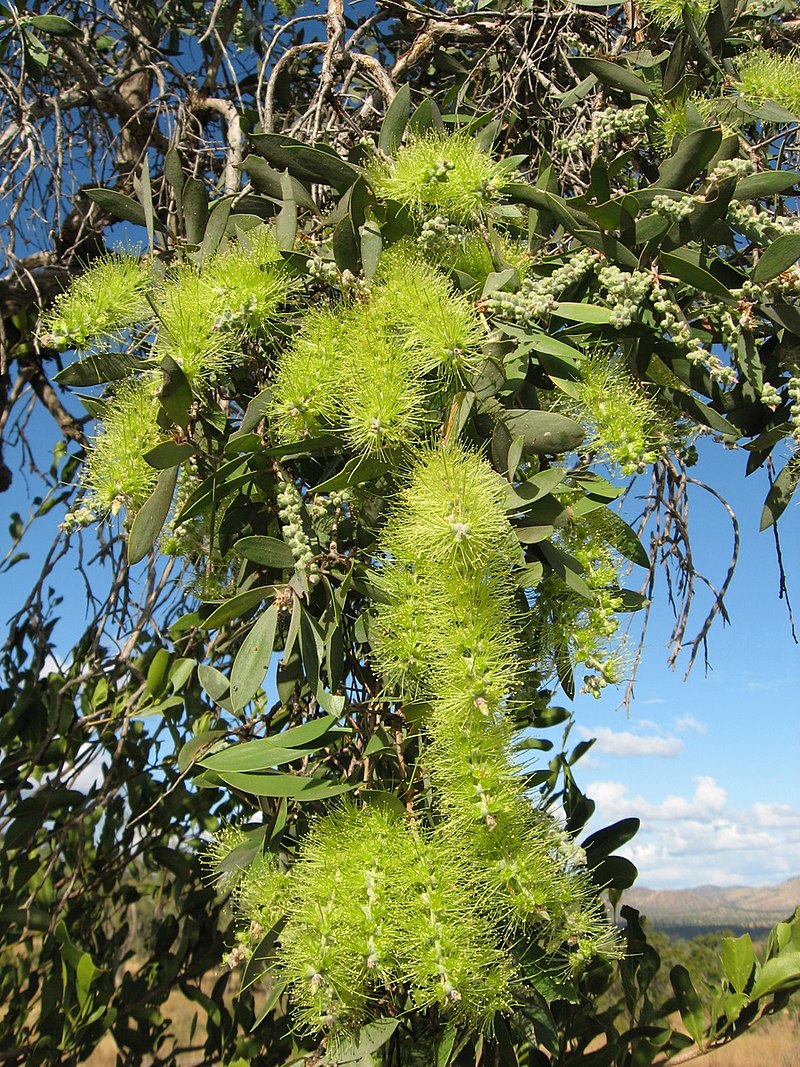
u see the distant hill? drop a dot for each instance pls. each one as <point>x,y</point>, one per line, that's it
<point>710,908</point>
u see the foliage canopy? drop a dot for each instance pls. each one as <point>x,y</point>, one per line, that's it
<point>420,292</point>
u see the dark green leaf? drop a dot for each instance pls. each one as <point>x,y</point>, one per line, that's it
<point>99,368</point>
<point>395,121</point>
<point>194,199</point>
<point>691,156</point>
<point>777,257</point>
<point>215,229</point>
<point>780,493</point>
<point>121,206</point>
<point>689,1003</point>
<point>699,411</point>
<point>268,180</point>
<point>619,534</point>
<point>767,183</point>
<point>151,517</point>
<point>368,1040</point>
<point>292,786</point>
<point>308,163</point>
<point>214,682</point>
<point>252,659</point>
<point>192,749</point>
<point>175,394</point>
<point>266,551</point>
<point>371,248</point>
<point>168,454</point>
<point>237,605</point>
<point>355,472</point>
<point>55,24</point>
<point>144,194</point>
<point>683,268</point>
<point>614,872</point>
<point>614,74</point>
<point>286,222</point>
<point>345,247</point>
<point>603,842</point>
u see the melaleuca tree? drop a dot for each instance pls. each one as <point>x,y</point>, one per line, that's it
<point>376,407</point>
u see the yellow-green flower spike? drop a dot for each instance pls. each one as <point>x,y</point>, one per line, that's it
<point>441,173</point>
<point>307,383</point>
<point>116,474</point>
<point>109,297</point>
<point>769,76</point>
<point>668,13</point>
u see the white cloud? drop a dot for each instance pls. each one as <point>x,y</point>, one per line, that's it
<point>689,722</point>
<point>625,743</point>
<point>698,839</point>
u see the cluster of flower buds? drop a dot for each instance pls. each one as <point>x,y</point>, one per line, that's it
<point>625,292</point>
<point>439,236</point>
<point>536,297</point>
<point>729,168</point>
<point>675,325</point>
<point>323,270</point>
<point>770,396</point>
<point>290,511</point>
<point>760,227</point>
<point>793,390</point>
<point>438,172</point>
<point>607,127</point>
<point>672,207</point>
<point>236,318</point>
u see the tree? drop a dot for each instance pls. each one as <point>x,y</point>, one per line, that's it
<point>372,390</point>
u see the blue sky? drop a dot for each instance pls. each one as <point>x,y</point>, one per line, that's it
<point>710,764</point>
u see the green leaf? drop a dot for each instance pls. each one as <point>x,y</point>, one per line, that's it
<point>700,412</point>
<point>55,24</point>
<point>175,394</point>
<point>99,368</point>
<point>619,534</point>
<point>603,842</point>
<point>371,248</point>
<point>286,222</point>
<point>689,1003</point>
<point>252,659</point>
<point>691,156</point>
<point>738,960</point>
<point>151,517</point>
<point>243,758</point>
<point>780,493</point>
<point>777,257</point>
<point>291,786</point>
<point>546,433</point>
<point>192,749</point>
<point>214,682</point>
<point>194,199</point>
<point>683,268</point>
<point>237,605</point>
<point>426,117</point>
<point>614,74</point>
<point>144,194</point>
<point>268,180</point>
<point>614,872</point>
<point>582,312</point>
<point>315,164</point>
<point>780,972</point>
<point>215,229</point>
<point>368,1040</point>
<point>121,206</point>
<point>345,247</point>
<point>395,121</point>
<point>266,551</point>
<point>356,471</point>
<point>768,183</point>
<point>168,454</point>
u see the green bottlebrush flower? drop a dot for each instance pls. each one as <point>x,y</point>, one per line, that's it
<point>438,323</point>
<point>307,384</point>
<point>189,330</point>
<point>116,473</point>
<point>446,174</point>
<point>215,857</point>
<point>403,638</point>
<point>249,284</point>
<point>110,296</point>
<point>382,394</point>
<point>768,76</point>
<point>625,426</point>
<point>452,512</point>
<point>670,12</point>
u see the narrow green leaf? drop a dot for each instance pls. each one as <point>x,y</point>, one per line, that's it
<point>691,156</point>
<point>780,493</point>
<point>395,121</point>
<point>151,517</point>
<point>175,394</point>
<point>252,659</point>
<point>121,206</point>
<point>291,786</point>
<point>582,313</point>
<point>345,247</point>
<point>768,183</point>
<point>286,222</point>
<point>99,368</point>
<point>195,210</point>
<point>168,454</point>
<point>683,268</point>
<point>55,24</point>
<point>619,534</point>
<point>369,1039</point>
<point>355,472</point>
<point>214,682</point>
<point>215,229</point>
<point>614,74</point>
<point>144,194</point>
<point>689,1003</point>
<point>266,551</point>
<point>371,248</point>
<point>603,842</point>
<point>777,257</point>
<point>192,749</point>
<point>237,605</point>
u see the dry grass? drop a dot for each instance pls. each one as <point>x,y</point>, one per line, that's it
<point>773,1043</point>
